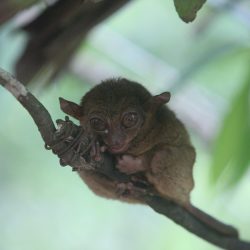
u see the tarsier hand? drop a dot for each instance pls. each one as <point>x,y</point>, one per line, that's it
<point>129,164</point>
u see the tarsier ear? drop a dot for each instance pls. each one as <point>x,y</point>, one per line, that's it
<point>162,98</point>
<point>70,108</point>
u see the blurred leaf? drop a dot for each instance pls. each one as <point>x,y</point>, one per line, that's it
<point>242,160</point>
<point>233,142</point>
<point>187,9</point>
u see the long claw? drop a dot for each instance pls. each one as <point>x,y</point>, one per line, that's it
<point>98,152</point>
<point>95,152</point>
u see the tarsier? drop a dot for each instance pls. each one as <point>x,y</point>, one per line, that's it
<point>146,139</point>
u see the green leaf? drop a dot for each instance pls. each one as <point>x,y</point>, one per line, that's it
<point>241,161</point>
<point>187,9</point>
<point>232,149</point>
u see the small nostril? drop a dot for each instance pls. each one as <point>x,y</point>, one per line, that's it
<point>114,138</point>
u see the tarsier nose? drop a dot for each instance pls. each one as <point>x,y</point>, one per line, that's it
<point>115,137</point>
<point>117,140</point>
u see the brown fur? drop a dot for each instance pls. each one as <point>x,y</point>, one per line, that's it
<point>157,147</point>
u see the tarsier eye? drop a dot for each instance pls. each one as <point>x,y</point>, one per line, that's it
<point>130,119</point>
<point>97,124</point>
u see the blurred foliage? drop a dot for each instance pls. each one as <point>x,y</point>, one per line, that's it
<point>64,24</point>
<point>232,149</point>
<point>231,153</point>
<point>51,23</point>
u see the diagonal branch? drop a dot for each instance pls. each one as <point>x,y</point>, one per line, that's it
<point>53,138</point>
<point>63,24</point>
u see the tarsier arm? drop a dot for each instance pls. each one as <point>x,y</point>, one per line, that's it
<point>129,164</point>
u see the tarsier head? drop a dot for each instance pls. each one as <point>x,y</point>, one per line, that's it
<point>116,111</point>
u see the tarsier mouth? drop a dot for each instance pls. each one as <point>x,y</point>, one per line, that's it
<point>116,149</point>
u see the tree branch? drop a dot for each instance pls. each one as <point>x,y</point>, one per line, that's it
<point>63,24</point>
<point>70,143</point>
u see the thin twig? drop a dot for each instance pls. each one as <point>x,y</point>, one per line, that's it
<point>168,208</point>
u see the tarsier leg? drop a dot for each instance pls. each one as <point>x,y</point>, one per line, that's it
<point>171,172</point>
<point>105,187</point>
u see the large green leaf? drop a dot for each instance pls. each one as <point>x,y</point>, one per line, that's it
<point>241,161</point>
<point>187,9</point>
<point>232,149</point>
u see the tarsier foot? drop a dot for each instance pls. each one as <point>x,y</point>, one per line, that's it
<point>140,180</point>
<point>129,189</point>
